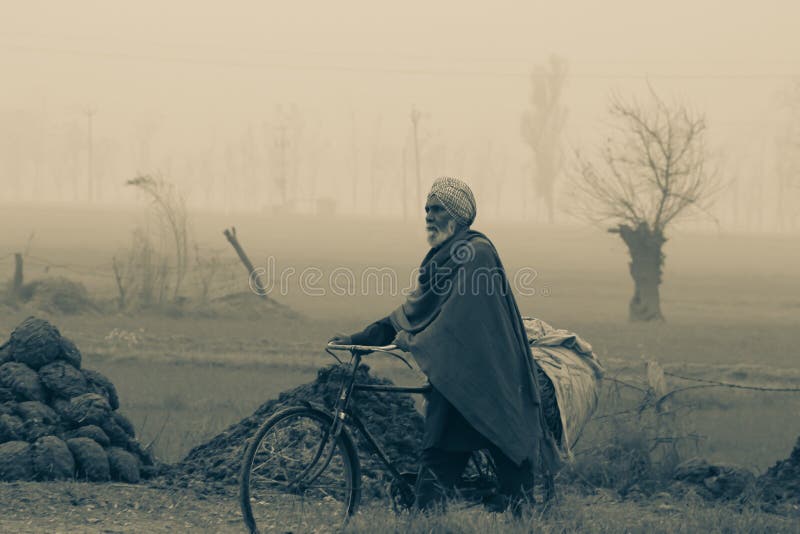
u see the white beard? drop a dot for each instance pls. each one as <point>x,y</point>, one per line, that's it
<point>437,237</point>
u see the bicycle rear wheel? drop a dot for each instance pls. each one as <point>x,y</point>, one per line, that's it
<point>290,482</point>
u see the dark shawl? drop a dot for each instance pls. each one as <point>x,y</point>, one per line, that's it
<point>467,336</point>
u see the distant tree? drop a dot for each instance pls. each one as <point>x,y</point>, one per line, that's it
<point>249,147</point>
<point>419,149</point>
<point>314,154</point>
<point>145,131</point>
<point>286,134</point>
<point>491,169</point>
<point>541,128</point>
<point>787,162</point>
<point>71,172</point>
<point>415,117</point>
<point>650,171</point>
<point>404,178</point>
<point>379,162</point>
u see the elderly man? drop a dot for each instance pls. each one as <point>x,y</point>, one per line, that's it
<point>462,325</point>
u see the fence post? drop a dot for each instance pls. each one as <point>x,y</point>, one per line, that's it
<point>16,282</point>
<point>230,235</point>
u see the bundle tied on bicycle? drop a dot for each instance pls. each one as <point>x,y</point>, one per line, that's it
<point>569,375</point>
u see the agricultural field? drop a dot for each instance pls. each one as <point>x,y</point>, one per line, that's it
<point>732,307</point>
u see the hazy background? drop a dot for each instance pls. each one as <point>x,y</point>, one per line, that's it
<point>223,100</point>
<point>226,100</point>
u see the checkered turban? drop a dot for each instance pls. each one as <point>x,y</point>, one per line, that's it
<point>457,198</point>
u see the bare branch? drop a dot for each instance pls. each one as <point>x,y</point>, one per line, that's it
<point>651,169</point>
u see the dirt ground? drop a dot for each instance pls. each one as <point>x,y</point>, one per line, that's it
<point>56,507</point>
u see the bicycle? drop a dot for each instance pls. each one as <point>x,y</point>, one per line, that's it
<point>302,464</point>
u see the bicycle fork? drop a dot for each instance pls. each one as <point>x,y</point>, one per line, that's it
<point>332,433</point>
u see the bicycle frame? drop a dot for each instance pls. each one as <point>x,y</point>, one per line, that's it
<point>344,415</point>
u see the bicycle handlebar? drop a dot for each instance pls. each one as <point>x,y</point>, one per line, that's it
<point>386,349</point>
<point>363,348</point>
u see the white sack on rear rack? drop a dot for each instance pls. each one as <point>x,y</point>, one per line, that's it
<point>575,373</point>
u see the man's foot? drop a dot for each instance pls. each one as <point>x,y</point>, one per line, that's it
<point>499,503</point>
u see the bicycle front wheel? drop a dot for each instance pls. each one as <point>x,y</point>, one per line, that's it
<point>296,478</point>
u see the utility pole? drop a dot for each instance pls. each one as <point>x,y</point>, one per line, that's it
<point>404,159</point>
<point>373,164</point>
<point>283,143</point>
<point>354,156</point>
<point>89,156</point>
<point>415,115</point>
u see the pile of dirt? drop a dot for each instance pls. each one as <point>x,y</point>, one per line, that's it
<point>715,481</point>
<point>390,417</point>
<point>57,295</point>
<point>781,483</point>
<point>58,421</point>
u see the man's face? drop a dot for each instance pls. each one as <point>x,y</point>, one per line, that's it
<point>438,223</point>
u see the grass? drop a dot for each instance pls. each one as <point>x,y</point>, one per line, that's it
<point>194,379</point>
<point>91,507</point>
<point>598,513</point>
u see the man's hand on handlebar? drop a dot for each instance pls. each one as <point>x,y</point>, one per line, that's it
<point>402,341</point>
<point>341,339</point>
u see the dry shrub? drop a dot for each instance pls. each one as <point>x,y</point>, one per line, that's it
<point>57,295</point>
<point>169,208</point>
<point>141,274</point>
<point>149,274</point>
<point>638,441</point>
<point>632,457</point>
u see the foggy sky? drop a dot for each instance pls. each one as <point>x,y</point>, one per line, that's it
<point>203,72</point>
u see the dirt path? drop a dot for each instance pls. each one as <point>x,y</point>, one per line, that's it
<point>85,507</point>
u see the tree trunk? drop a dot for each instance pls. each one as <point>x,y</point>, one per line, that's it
<point>644,246</point>
<point>549,204</point>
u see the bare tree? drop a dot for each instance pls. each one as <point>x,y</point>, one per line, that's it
<point>90,113</point>
<point>650,170</point>
<point>285,152</point>
<point>491,170</point>
<point>787,161</point>
<point>316,147</point>
<point>415,116</point>
<point>417,144</point>
<point>282,179</point>
<point>170,207</point>
<point>541,128</point>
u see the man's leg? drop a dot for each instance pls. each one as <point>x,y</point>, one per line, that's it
<point>438,474</point>
<point>515,482</point>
